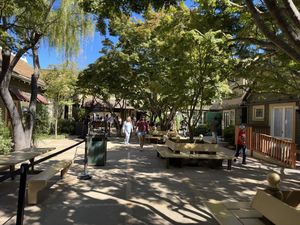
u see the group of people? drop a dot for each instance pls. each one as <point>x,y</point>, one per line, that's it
<point>141,128</point>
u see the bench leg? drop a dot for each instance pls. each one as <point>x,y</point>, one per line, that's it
<point>32,191</point>
<point>12,172</point>
<point>229,163</point>
<point>168,163</point>
<point>180,163</point>
<point>157,154</point>
<point>31,163</point>
<point>64,170</point>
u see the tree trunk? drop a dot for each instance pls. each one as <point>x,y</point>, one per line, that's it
<point>19,138</point>
<point>33,99</point>
<point>17,126</point>
<point>55,127</point>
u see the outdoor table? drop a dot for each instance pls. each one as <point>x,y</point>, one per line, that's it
<point>15,158</point>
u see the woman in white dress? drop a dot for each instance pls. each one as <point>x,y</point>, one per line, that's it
<point>127,129</point>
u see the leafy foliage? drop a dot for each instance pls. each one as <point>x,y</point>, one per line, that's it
<point>162,64</point>
<point>5,137</point>
<point>23,24</point>
<point>42,120</point>
<point>229,134</point>
<point>66,126</point>
<point>60,82</point>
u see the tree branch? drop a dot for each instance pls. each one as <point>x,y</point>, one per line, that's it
<point>263,28</point>
<point>292,12</point>
<point>282,23</point>
<point>262,43</point>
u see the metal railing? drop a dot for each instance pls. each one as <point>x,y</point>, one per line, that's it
<point>23,180</point>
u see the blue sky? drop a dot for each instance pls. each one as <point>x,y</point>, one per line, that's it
<point>90,48</point>
<point>88,54</point>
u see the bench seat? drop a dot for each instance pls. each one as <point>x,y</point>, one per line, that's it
<point>4,168</point>
<point>40,181</point>
<point>236,216</point>
<point>165,152</point>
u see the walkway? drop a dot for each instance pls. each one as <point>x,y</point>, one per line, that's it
<point>136,188</point>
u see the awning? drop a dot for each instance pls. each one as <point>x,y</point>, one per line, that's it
<point>25,96</point>
<point>42,99</point>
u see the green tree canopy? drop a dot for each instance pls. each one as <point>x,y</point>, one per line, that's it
<point>23,24</point>
<point>60,81</point>
<point>164,63</point>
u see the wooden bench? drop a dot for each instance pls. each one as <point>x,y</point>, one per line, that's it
<point>262,209</point>
<point>285,212</point>
<point>234,213</point>
<point>40,181</point>
<point>4,168</point>
<point>166,153</point>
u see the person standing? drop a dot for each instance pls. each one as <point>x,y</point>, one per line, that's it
<point>142,128</point>
<point>127,129</point>
<point>214,130</point>
<point>241,144</point>
<point>184,125</point>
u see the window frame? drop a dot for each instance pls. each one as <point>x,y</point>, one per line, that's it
<point>256,107</point>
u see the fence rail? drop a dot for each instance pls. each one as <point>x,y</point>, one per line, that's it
<point>278,149</point>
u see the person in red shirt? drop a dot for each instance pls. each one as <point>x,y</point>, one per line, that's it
<point>241,144</point>
<point>141,129</point>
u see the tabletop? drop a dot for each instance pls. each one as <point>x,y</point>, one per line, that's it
<point>22,155</point>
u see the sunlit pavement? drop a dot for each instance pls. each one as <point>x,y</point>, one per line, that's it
<point>136,188</point>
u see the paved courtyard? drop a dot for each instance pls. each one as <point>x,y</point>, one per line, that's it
<point>136,188</point>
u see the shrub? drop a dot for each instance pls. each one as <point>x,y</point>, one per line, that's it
<point>229,134</point>
<point>5,137</point>
<point>42,125</point>
<point>202,129</point>
<point>66,126</point>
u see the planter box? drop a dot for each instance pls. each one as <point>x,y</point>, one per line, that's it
<point>286,212</point>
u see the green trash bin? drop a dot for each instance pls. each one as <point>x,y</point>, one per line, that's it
<point>96,150</point>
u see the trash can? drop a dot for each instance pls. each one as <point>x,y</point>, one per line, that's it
<point>96,150</point>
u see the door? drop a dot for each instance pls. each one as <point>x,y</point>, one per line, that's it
<point>282,122</point>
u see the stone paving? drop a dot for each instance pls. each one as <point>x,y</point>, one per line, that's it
<point>135,188</point>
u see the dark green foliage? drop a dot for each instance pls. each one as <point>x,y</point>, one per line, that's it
<point>66,126</point>
<point>42,125</point>
<point>5,137</point>
<point>229,134</point>
<point>202,129</point>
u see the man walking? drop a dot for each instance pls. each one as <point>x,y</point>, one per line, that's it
<point>141,129</point>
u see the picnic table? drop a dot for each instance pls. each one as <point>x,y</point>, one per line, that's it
<point>14,158</point>
<point>179,151</point>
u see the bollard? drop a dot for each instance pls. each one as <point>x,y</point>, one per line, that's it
<point>22,192</point>
<point>85,175</point>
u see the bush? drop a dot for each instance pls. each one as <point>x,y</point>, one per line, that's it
<point>202,129</point>
<point>66,126</point>
<point>5,137</point>
<point>42,125</point>
<point>229,134</point>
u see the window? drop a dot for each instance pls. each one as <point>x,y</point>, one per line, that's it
<point>203,118</point>
<point>228,118</point>
<point>259,112</point>
<point>282,120</point>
